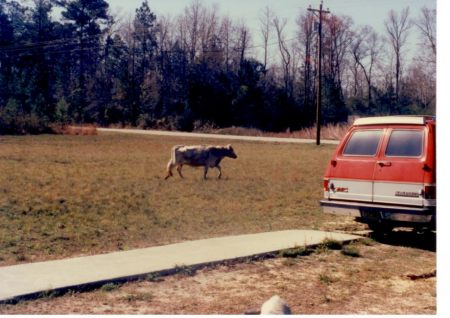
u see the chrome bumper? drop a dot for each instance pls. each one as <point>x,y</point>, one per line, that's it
<point>379,211</point>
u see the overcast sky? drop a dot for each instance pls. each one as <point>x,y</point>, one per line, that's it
<point>363,12</point>
<point>371,12</point>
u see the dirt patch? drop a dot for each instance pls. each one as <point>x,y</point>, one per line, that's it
<point>325,282</point>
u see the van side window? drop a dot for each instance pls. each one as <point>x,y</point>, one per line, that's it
<point>405,143</point>
<point>363,143</point>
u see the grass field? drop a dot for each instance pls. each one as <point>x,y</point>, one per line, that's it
<point>77,195</point>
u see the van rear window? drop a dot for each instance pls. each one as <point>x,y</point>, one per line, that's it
<point>405,143</point>
<point>363,143</point>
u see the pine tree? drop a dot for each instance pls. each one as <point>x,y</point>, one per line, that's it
<point>144,82</point>
<point>6,39</point>
<point>88,17</point>
<point>40,30</point>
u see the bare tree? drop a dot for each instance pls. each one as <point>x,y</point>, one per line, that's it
<point>427,26</point>
<point>164,35</point>
<point>397,28</point>
<point>305,35</point>
<point>357,50</point>
<point>190,27</point>
<point>266,26</point>
<point>365,50</point>
<point>420,85</point>
<point>295,66</point>
<point>208,29</point>
<point>242,41</point>
<point>338,40</point>
<point>225,33</point>
<point>284,52</point>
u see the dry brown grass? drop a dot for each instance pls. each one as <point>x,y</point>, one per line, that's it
<point>332,132</point>
<point>70,195</point>
<point>84,130</point>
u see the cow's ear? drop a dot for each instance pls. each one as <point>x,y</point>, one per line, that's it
<point>229,146</point>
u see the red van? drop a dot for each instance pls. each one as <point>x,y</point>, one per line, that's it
<point>384,173</point>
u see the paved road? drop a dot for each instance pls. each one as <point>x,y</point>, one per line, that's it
<point>215,136</point>
<point>27,280</point>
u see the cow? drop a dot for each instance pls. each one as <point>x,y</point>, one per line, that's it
<point>198,156</point>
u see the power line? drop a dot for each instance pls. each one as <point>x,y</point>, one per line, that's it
<point>49,43</point>
<point>29,47</point>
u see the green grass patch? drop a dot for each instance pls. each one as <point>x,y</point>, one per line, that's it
<point>63,196</point>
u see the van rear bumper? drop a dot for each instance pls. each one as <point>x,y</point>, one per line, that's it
<point>380,212</point>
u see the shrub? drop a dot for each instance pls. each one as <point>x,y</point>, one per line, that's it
<point>331,244</point>
<point>62,111</point>
<point>13,121</point>
<point>146,121</point>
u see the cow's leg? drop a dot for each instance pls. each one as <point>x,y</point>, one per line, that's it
<point>179,167</point>
<point>206,171</point>
<point>220,171</point>
<point>170,165</point>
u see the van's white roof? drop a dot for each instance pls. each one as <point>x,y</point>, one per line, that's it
<point>412,120</point>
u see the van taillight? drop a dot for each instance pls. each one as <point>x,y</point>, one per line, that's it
<point>430,192</point>
<point>326,183</point>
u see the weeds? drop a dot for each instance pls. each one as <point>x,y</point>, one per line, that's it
<point>21,258</point>
<point>154,277</point>
<point>326,279</point>
<point>185,270</point>
<point>350,250</point>
<point>109,287</point>
<point>289,262</point>
<point>329,131</point>
<point>48,294</point>
<point>138,297</point>
<point>296,252</point>
<point>367,241</point>
<point>331,244</point>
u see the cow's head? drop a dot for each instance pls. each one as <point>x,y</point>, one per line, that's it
<point>231,152</point>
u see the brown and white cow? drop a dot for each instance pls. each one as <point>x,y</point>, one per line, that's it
<point>198,156</point>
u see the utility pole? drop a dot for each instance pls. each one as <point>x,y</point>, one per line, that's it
<point>320,12</point>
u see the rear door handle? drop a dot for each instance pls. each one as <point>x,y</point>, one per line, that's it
<point>384,163</point>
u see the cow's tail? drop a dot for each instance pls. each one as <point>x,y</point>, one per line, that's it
<point>172,161</point>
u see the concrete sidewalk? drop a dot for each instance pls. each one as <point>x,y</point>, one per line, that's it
<point>215,136</point>
<point>27,280</point>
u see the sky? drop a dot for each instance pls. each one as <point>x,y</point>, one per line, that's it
<point>363,12</point>
<point>372,12</point>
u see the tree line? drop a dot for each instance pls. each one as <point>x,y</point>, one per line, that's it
<point>73,61</point>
